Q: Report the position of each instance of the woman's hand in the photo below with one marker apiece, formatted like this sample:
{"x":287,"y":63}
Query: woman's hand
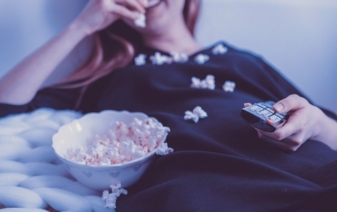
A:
{"x":305,"y":122}
{"x":98,"y":14}
{"x":20,"y":84}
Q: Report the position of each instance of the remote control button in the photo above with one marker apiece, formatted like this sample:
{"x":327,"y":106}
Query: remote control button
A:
{"x":255,"y":108}
{"x":265,"y":113}
{"x":274,"y":118}
{"x":281,"y":116}
{"x":261,"y":105}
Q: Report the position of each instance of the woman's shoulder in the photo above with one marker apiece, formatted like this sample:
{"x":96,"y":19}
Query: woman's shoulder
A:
{"x":220,"y":45}
{"x":221,"y":49}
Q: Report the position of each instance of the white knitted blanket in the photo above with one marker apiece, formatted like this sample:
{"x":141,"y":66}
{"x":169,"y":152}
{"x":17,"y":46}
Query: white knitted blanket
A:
{"x":32,"y":179}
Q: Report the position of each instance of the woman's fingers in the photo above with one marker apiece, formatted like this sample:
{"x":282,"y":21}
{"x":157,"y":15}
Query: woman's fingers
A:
{"x":247,"y":104}
{"x":295,"y":124}
{"x":134,"y":5}
{"x":99,"y":14}
{"x":291,"y":103}
{"x":302,"y":124}
{"x":122,"y":11}
{"x":292,"y":134}
{"x":287,"y":144}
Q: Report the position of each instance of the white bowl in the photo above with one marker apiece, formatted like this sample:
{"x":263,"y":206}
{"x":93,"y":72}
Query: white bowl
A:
{"x":78,"y":132}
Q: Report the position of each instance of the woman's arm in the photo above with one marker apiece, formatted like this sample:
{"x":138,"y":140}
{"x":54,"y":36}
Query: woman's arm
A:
{"x":306,"y":121}
{"x":21,"y":84}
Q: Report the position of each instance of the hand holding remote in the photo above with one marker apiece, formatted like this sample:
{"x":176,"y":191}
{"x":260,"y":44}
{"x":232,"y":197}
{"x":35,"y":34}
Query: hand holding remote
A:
{"x":301,"y":121}
{"x":263,"y":117}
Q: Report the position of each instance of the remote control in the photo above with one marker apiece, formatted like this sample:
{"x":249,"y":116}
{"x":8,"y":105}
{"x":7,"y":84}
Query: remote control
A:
{"x":262,"y":116}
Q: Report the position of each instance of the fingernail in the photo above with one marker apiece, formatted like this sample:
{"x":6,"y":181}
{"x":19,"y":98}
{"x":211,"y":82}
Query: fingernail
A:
{"x":247,"y":104}
{"x":278,"y":107}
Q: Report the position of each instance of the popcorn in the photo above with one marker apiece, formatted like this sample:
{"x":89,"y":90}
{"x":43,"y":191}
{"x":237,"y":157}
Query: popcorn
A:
{"x":207,"y":83}
{"x":118,"y":190}
{"x":179,"y":57}
{"x":219,"y":49}
{"x":195,"y":115}
{"x":201,"y":58}
{"x":141,"y":21}
{"x":140,"y":60}
{"x":110,"y":202}
{"x":111,"y":198}
{"x":229,"y":86}
{"x":122,"y":143}
{"x":163,"y":149}
{"x":199,"y":112}
{"x":191,"y":116}
{"x":105,"y":194}
{"x":159,"y":59}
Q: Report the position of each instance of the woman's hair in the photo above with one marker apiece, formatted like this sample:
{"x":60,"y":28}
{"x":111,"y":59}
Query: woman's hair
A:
{"x":115,"y":47}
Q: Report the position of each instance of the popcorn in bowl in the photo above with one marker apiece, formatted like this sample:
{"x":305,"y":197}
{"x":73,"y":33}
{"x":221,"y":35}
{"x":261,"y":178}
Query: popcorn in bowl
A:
{"x":121,"y":144}
{"x":110,"y":147}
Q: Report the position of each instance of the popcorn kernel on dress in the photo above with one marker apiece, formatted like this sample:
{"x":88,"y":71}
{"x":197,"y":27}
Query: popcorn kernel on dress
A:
{"x":140,"y":59}
{"x":159,"y":59}
{"x":111,"y":198}
{"x":207,"y":83}
{"x":219,"y":49}
{"x":179,"y":57}
{"x":200,"y":112}
{"x":201,"y":58}
{"x":229,"y":86}
{"x":195,"y":115}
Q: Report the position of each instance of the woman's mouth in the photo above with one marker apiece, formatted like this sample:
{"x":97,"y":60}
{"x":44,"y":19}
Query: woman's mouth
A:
{"x":153,"y":3}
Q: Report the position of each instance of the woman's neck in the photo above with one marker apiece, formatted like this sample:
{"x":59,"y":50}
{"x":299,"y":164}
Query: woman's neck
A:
{"x":175,"y":39}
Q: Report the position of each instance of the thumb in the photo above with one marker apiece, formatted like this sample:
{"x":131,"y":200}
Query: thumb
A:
{"x":290,"y":103}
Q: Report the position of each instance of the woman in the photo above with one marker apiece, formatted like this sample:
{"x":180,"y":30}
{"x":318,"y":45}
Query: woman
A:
{"x":219,"y":164}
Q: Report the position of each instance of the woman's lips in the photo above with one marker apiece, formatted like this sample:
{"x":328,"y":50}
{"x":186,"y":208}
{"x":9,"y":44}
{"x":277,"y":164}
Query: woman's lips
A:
{"x":153,"y":3}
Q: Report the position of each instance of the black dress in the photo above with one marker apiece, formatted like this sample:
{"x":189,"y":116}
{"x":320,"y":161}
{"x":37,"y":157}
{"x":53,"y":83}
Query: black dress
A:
{"x":219,"y":163}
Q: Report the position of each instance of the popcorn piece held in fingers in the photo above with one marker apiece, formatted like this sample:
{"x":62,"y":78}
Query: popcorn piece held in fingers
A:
{"x":141,"y":21}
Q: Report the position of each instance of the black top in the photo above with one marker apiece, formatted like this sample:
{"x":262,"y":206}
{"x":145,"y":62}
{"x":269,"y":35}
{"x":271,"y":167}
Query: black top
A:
{"x":219,"y":163}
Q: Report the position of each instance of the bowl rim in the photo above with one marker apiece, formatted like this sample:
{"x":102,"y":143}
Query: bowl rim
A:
{"x":118,"y":165}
